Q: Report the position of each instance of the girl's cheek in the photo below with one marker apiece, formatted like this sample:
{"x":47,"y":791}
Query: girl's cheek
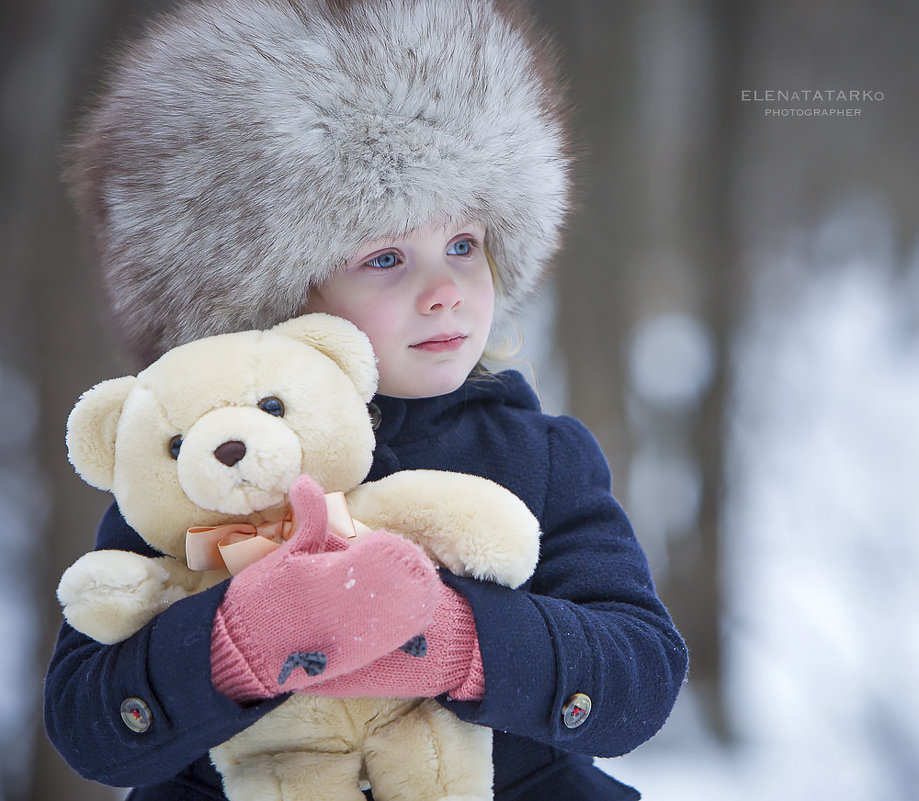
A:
{"x":341,"y":298}
{"x":483,"y":295}
{"x":374,"y":316}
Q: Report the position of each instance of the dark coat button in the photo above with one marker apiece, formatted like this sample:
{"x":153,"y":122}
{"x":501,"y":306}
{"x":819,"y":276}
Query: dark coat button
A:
{"x":136,"y":715}
{"x":376,"y":416}
{"x":576,"y":710}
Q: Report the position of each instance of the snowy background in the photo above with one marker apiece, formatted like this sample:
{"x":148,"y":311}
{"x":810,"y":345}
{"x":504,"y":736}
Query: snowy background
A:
{"x":821,"y":534}
{"x":807,"y":229}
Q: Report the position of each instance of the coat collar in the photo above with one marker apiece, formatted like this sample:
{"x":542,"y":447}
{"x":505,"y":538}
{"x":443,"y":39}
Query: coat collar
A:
{"x":404,"y":419}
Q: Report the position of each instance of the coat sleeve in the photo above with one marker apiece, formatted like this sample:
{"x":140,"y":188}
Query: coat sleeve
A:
{"x":166,"y":665}
{"x":590,"y":621}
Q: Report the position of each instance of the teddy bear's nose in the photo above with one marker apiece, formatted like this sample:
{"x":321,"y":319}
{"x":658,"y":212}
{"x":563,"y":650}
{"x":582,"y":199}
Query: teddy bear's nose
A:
{"x":230,"y":452}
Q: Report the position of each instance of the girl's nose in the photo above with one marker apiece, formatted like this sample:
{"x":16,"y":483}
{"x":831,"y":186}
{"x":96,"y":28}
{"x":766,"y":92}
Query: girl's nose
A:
{"x":441,"y":292}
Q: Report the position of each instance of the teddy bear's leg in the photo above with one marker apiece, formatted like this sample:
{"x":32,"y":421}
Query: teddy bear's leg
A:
{"x":294,"y":776}
{"x":429,"y":754}
{"x":303,"y":750}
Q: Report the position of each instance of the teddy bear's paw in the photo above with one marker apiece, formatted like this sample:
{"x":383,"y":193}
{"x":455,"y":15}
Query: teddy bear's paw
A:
{"x":110,"y":595}
{"x":502,"y":538}
{"x":472,"y":526}
{"x":485,"y":531}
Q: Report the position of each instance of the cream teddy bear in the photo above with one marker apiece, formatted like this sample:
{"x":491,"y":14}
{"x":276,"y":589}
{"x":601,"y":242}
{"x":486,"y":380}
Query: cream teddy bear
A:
{"x":289,"y":402}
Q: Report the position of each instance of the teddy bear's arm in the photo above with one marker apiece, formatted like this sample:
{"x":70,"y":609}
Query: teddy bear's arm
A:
{"x":110,"y":595}
{"x":471,"y":525}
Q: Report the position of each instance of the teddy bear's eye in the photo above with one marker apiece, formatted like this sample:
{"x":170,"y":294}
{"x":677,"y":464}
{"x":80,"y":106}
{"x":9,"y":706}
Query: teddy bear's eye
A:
{"x":175,"y":445}
{"x":272,"y":405}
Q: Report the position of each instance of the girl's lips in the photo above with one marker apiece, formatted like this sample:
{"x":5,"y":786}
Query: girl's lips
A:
{"x":440,"y":344}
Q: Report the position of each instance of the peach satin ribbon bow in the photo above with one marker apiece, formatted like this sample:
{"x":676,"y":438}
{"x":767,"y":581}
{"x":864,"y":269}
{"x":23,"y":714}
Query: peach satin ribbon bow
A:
{"x":234,"y":546}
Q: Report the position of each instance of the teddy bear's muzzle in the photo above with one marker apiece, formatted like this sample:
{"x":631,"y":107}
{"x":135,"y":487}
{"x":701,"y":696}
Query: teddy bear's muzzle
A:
{"x":238,"y":460}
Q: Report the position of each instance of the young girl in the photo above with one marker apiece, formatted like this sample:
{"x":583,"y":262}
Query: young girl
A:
{"x":402,"y":164}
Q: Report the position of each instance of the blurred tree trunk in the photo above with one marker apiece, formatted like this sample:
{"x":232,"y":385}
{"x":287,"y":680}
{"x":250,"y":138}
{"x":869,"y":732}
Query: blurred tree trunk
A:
{"x":597,"y":51}
{"x":649,"y":237}
{"x":695,"y":582}
{"x":51,"y":325}
{"x":45,"y":301}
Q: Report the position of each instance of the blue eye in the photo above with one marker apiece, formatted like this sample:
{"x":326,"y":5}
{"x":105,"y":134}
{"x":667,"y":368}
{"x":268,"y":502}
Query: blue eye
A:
{"x":461,"y":248}
{"x":272,"y":406}
{"x":175,"y":445}
{"x":384,"y":261}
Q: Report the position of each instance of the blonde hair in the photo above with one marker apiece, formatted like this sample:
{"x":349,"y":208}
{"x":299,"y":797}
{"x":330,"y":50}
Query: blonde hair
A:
{"x":506,"y":343}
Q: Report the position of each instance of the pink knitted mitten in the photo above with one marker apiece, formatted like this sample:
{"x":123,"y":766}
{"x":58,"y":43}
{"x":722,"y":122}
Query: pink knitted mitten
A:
{"x":298,"y":615}
{"x":446,"y":659}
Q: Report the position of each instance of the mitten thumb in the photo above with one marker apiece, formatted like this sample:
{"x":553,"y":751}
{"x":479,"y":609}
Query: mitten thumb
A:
{"x":307,"y":501}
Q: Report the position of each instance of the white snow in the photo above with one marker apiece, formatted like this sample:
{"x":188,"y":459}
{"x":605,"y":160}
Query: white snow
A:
{"x":821,"y":538}
{"x":671,"y":360}
{"x":23,"y":512}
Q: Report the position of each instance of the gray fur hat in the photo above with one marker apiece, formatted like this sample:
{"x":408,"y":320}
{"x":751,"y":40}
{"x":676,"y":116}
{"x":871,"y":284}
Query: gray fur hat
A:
{"x":243,"y":150}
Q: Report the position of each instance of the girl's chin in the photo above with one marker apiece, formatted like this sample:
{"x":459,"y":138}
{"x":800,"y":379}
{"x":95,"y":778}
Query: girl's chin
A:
{"x":425,"y":377}
{"x":422,"y":389}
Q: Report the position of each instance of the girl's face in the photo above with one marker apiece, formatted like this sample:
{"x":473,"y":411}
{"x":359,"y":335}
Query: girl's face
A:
{"x":425,"y":301}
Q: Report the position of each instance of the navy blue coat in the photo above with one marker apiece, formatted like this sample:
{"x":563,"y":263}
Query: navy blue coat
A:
{"x":589,"y":621}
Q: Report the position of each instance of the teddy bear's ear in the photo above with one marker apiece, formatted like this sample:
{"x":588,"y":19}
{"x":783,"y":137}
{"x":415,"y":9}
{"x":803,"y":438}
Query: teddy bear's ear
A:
{"x":342,"y":342}
{"x":91,"y":429}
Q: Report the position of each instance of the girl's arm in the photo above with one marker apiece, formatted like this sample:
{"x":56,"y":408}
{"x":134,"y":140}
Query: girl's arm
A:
{"x":590,"y":623}
{"x":166,"y":665}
